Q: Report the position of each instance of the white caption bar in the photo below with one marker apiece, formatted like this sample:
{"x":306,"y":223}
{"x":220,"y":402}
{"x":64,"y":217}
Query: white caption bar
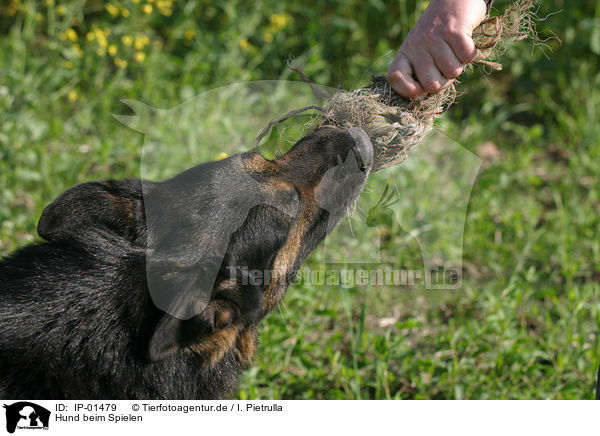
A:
{"x":317,"y":417}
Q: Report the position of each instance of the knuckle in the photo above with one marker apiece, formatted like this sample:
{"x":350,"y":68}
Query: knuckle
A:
{"x":395,"y":76}
{"x":410,"y":93}
{"x":469,"y":56}
{"x":452,"y":33}
{"x":431,"y":85}
{"x":453,"y":73}
{"x":448,"y":67}
{"x":457,"y":72}
{"x":464,"y":48}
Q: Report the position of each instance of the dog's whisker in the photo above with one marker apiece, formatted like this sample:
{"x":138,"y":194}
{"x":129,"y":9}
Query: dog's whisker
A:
{"x":350,"y":225}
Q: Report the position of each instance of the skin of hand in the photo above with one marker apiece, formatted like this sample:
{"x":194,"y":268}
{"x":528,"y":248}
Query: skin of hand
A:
{"x":437,"y":48}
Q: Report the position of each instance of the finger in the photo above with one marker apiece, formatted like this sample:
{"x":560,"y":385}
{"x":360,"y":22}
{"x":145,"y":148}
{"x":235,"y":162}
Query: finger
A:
{"x":447,"y":85}
{"x":445,"y":59}
{"x":428,"y":75}
{"x":400,"y":78}
{"x":462,"y":45}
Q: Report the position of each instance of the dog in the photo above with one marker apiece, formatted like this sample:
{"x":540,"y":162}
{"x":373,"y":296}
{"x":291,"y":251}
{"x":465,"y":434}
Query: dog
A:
{"x":148,"y":290}
{"x":598,"y":384}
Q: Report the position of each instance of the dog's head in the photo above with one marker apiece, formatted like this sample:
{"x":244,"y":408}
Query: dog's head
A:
{"x":223,"y":239}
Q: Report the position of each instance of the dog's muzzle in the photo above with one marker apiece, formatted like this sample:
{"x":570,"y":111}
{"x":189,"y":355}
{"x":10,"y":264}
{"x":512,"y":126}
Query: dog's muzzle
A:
{"x":363,"y":149}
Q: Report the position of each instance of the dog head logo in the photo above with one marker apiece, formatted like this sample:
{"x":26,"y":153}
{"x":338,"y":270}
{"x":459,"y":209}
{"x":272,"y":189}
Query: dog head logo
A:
{"x":26,"y":415}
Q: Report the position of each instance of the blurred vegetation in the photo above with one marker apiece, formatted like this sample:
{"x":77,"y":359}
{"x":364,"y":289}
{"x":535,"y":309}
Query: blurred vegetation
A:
{"x":524,"y":324}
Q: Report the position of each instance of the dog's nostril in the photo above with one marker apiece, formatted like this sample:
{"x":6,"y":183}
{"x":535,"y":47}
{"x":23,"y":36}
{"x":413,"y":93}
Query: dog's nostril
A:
{"x":363,"y":166}
{"x":363,"y":149}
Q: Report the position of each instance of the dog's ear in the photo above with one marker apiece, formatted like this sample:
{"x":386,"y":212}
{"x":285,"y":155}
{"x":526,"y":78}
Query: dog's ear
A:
{"x":212,"y":332}
{"x":114,"y":207}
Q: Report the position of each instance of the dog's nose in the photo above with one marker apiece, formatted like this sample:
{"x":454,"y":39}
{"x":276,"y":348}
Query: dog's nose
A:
{"x":363,"y":149}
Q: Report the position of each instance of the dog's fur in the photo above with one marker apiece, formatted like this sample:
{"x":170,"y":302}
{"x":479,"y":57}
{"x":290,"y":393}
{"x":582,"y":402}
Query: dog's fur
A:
{"x":76,"y":314}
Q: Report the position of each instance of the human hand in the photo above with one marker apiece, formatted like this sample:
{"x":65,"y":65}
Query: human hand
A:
{"x":437,"y":48}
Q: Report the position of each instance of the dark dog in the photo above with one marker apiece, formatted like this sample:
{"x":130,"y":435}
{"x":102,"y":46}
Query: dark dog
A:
{"x":147,"y":290}
{"x":598,"y":385}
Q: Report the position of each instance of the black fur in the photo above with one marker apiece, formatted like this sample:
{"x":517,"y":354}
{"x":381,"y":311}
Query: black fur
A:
{"x":598,"y":385}
{"x":76,"y":315}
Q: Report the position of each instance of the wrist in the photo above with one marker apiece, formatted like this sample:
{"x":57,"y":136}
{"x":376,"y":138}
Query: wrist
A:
{"x":452,"y":3}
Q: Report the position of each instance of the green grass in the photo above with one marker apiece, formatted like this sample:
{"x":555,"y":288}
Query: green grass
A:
{"x":525,"y":322}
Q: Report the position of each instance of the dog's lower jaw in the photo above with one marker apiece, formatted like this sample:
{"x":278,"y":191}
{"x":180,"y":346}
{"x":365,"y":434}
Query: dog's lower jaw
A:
{"x":287,"y":258}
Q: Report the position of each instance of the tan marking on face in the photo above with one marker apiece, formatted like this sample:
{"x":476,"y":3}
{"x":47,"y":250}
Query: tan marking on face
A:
{"x":246,"y":345}
{"x":223,"y":317}
{"x":213,"y":347}
{"x":256,"y":163}
{"x":287,"y":255}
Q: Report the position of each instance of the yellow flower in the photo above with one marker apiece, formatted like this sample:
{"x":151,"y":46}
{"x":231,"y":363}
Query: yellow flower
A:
{"x":221,"y":156}
{"x":121,"y":63}
{"x":15,"y":5}
{"x":135,"y":1}
{"x":90,"y":36}
{"x":279,"y":21}
{"x":125,"y":13}
{"x":189,"y":33}
{"x":101,"y":37}
{"x":139,"y":56}
{"x":112,"y":9}
{"x":78,"y":50}
{"x":101,"y":51}
{"x":268,"y":37}
{"x":165,"y":7}
{"x":69,"y":64}
{"x":39,"y":17}
{"x":127,"y":40}
{"x":73,"y":95}
{"x":141,"y":42}
{"x":49,"y":2}
{"x":71,"y":34}
{"x":244,"y":44}
{"x":147,"y":8}
{"x":61,"y":9}
{"x":112,"y":50}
